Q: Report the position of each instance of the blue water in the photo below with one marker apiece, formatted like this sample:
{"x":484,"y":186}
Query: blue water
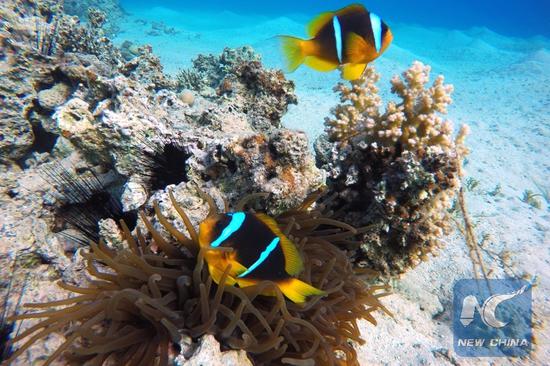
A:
{"x":521,"y":18}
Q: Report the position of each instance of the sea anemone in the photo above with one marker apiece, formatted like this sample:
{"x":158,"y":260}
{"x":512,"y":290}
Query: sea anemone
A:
{"x":157,"y":293}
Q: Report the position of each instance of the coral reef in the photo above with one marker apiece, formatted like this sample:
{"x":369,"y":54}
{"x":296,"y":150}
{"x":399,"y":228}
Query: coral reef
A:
{"x":157,"y":293}
{"x":89,"y":38}
{"x":237,"y":80}
{"x":396,"y":170}
{"x":112,"y":8}
{"x":71,"y":97}
{"x":85,"y":98}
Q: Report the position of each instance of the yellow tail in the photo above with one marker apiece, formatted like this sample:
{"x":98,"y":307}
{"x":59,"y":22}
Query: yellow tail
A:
{"x":297,"y":290}
{"x":293,"y":51}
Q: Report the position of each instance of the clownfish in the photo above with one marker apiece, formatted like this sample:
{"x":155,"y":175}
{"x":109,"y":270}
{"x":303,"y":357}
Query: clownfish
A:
{"x":350,"y":37}
{"x":258,"y":251}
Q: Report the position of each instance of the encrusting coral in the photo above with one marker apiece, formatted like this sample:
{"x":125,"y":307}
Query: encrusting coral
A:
{"x":157,"y":294}
{"x":395,"y":169}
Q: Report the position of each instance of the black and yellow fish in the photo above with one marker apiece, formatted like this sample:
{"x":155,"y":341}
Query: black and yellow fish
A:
{"x":350,"y":37}
{"x":260,"y":251}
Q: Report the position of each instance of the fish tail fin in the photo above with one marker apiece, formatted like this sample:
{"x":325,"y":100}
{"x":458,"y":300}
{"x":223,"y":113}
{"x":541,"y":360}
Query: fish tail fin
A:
{"x":297,"y":290}
{"x":293,"y":51}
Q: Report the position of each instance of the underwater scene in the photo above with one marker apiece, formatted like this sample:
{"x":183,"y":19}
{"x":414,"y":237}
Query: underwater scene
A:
{"x":274,"y":183}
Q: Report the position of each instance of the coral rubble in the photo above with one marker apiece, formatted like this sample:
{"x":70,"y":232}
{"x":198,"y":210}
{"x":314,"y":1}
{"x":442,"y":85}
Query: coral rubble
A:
{"x":395,"y":169}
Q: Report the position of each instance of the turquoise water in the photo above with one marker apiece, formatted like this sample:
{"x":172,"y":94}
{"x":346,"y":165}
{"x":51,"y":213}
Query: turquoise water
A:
{"x":508,"y":17}
{"x":483,"y":49}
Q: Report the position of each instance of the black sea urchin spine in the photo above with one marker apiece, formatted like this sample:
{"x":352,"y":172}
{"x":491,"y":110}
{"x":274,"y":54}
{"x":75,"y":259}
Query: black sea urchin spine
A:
{"x":164,"y":163}
{"x":86,"y":201}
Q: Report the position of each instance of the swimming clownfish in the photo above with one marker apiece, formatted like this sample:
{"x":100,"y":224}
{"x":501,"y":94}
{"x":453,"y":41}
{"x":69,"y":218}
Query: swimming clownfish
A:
{"x":260,"y":251}
{"x":350,"y":37}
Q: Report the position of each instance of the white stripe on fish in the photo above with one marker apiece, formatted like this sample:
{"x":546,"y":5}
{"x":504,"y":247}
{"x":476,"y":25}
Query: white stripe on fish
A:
{"x":338,"y":37}
{"x":376,"y":25}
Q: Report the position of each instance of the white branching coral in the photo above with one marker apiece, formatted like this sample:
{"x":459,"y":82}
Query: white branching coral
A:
{"x":395,"y":168}
{"x":416,"y":123}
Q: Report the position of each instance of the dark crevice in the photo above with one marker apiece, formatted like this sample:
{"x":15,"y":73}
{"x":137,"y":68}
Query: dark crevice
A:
{"x":165,"y":164}
{"x":44,"y":142}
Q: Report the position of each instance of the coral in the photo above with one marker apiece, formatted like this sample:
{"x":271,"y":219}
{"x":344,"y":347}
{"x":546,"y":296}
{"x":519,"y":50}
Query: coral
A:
{"x":414,"y":123}
{"x":238,"y":80}
{"x":152,"y":295}
{"x":278,"y":163}
{"x":395,"y":170}
{"x":16,"y":136}
{"x":146,"y":68}
{"x":88,"y":39}
{"x":70,"y":96}
{"x":32,"y":49}
{"x":111,"y":9}
{"x":129,"y":50}
{"x":54,"y":96}
{"x":187,"y":97}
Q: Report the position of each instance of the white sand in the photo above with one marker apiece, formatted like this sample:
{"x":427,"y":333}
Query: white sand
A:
{"x":501,"y":90}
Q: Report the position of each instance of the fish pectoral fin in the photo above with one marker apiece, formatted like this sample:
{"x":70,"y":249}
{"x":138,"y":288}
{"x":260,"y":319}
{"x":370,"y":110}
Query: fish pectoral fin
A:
{"x":357,"y":48}
{"x":297,"y":290}
{"x":293,"y":51}
{"x":318,"y":23}
{"x":217,"y":274}
{"x":237,"y":268}
{"x":246,"y":282}
{"x":353,"y":71}
{"x":320,"y":65}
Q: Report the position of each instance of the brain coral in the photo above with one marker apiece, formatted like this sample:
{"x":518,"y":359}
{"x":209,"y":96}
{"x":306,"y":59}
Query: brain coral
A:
{"x":395,"y":169}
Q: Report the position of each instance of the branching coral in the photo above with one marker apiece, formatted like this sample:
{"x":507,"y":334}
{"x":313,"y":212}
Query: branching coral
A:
{"x":395,"y":169}
{"x":157,"y":292}
{"x":414,"y":123}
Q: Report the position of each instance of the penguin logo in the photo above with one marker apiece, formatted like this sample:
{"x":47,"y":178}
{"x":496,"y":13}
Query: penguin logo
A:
{"x":487,"y":311}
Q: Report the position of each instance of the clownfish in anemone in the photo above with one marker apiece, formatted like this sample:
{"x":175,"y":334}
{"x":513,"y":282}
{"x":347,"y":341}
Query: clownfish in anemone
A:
{"x":257,"y":250}
{"x":350,"y":38}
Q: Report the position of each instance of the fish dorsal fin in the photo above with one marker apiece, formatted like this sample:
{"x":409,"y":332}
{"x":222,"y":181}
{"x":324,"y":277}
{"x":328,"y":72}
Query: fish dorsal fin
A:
{"x":353,"y":71}
{"x":319,"y":22}
{"x":353,"y":8}
{"x":320,"y":65}
{"x":293,"y":261}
